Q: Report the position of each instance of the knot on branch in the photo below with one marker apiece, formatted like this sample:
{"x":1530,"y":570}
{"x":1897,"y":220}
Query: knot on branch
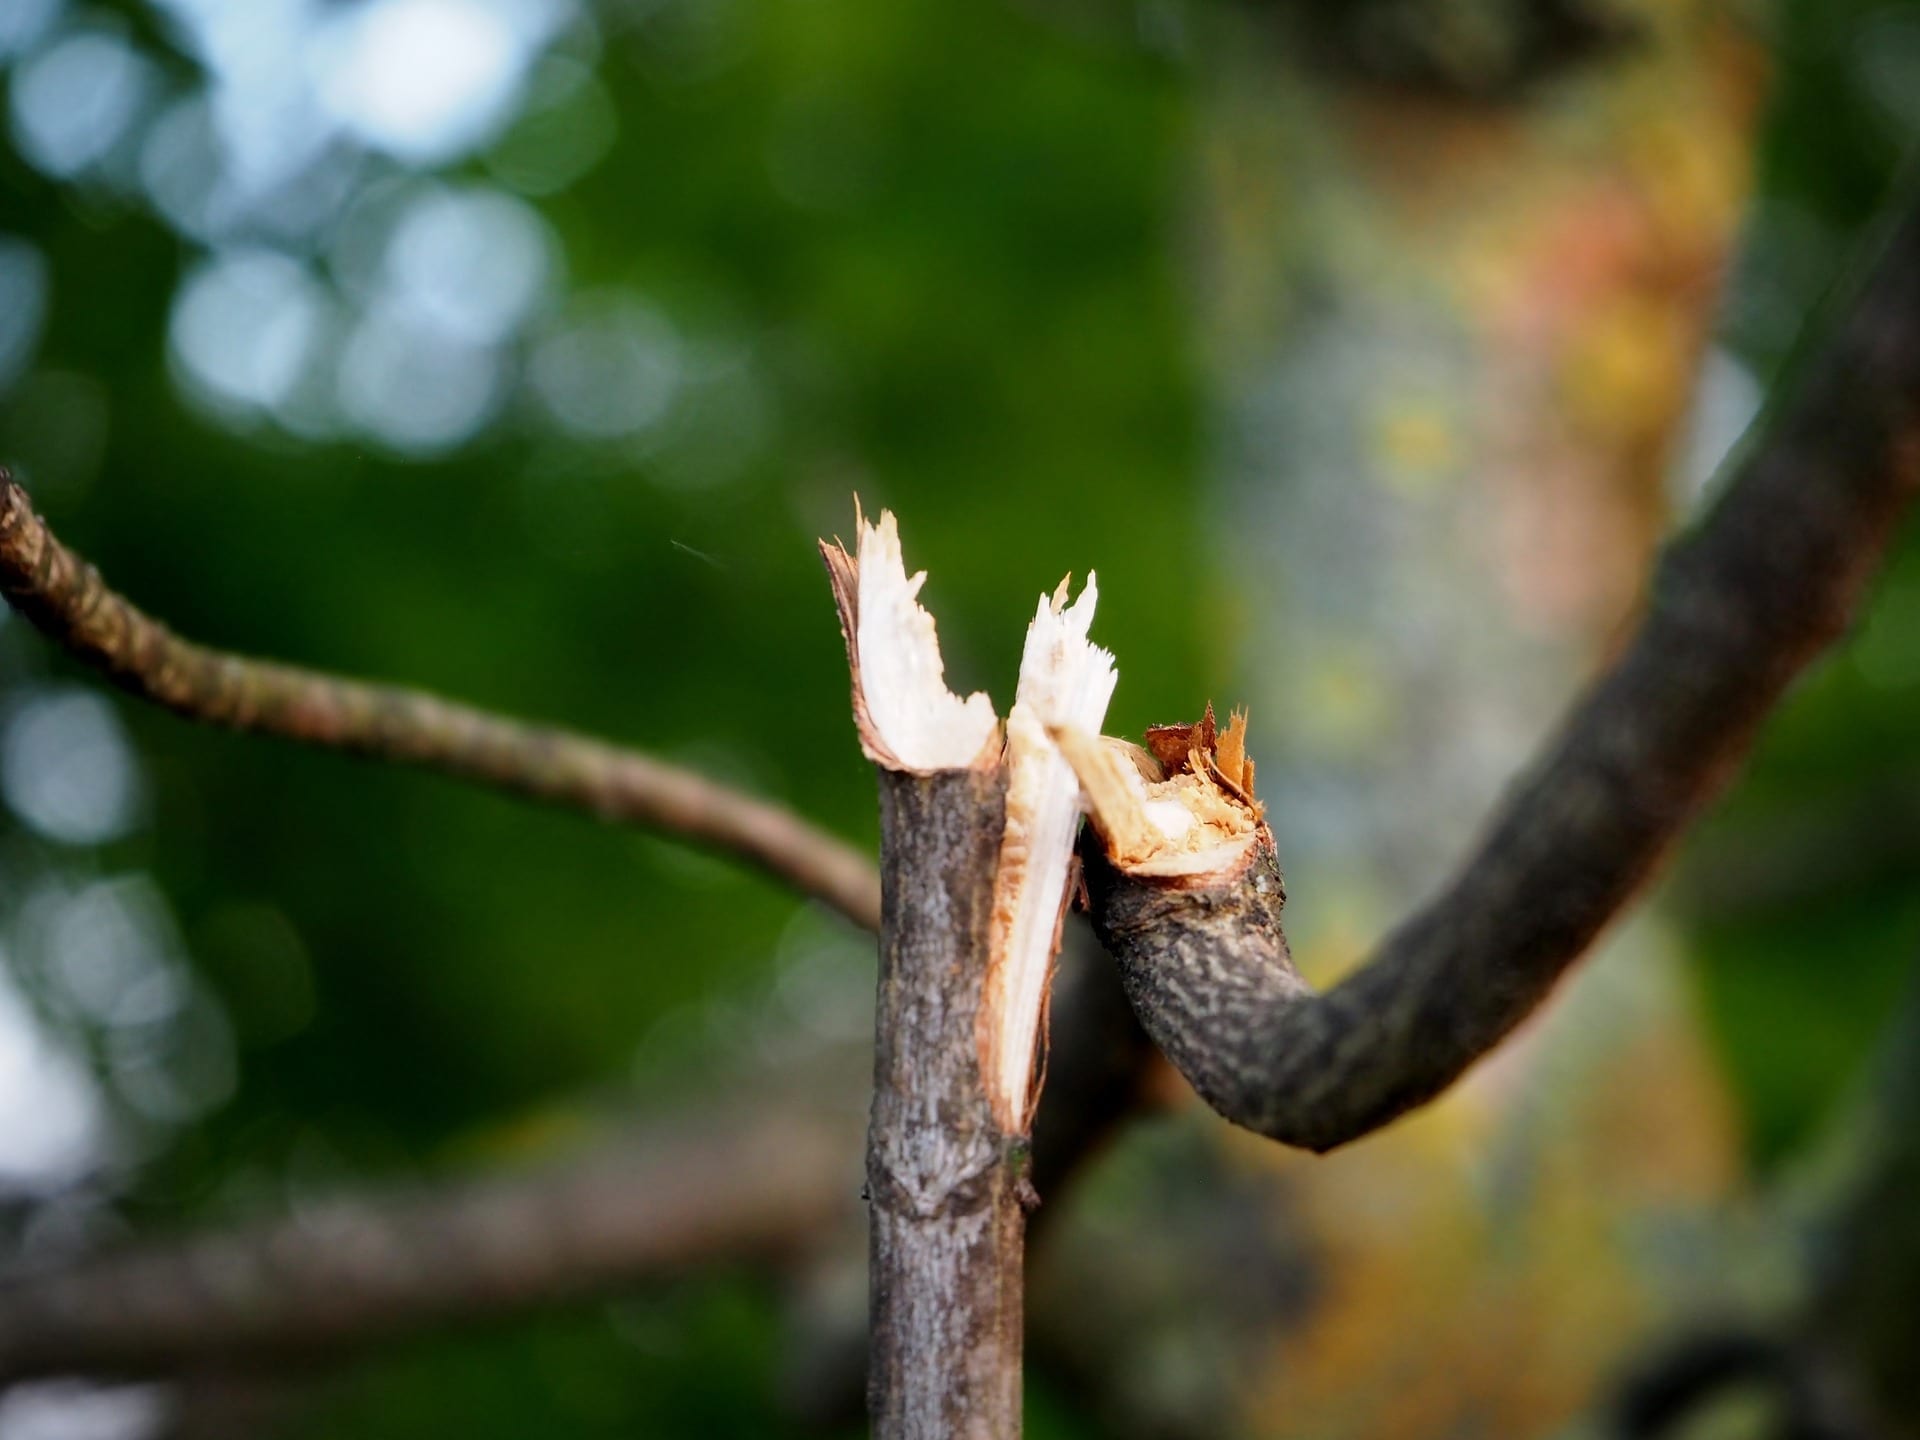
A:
{"x":965,"y":1178}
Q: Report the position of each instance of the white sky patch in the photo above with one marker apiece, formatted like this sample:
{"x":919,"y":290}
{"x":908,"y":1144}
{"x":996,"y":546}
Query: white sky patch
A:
{"x":1065,"y":679}
{"x":81,"y":1410}
{"x":24,"y":283}
{"x":51,"y":1127}
{"x":268,"y":122}
{"x":427,"y":80}
{"x":1726,"y":400}
{"x":23,"y":23}
{"x":67,"y":770}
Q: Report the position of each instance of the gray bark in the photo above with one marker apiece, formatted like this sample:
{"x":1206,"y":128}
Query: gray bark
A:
{"x":944,"y":1184}
{"x":1740,"y":607}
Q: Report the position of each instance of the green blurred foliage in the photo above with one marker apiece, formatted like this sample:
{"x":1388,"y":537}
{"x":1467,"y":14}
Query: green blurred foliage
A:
{"x":1803,"y":888}
{"x":971,"y":312}
{"x":949,"y":239}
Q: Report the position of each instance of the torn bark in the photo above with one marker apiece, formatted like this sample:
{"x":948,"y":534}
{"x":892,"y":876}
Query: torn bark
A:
{"x":1769,"y":579}
{"x":945,"y":1273}
{"x":975,"y":855}
{"x":66,"y":599}
{"x":1064,"y":679}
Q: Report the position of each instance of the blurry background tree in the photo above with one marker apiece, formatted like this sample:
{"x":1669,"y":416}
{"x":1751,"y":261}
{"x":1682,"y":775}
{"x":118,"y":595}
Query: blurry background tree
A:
{"x":521,"y":348}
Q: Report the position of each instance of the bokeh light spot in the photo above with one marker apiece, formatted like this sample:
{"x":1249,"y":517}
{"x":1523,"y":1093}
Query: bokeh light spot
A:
{"x":67,"y":770}
{"x":244,"y":328}
{"x":413,"y":386}
{"x":472,"y":263}
{"x":72,"y":101}
{"x":50,"y":1120}
{"x":427,"y":80}
{"x":612,"y":370}
{"x":23,"y":23}
{"x":24,"y":282}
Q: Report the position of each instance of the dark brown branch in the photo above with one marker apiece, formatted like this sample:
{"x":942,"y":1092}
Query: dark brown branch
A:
{"x":1767,"y":581}
{"x":68,"y":601}
{"x":948,"y":1226}
{"x":672,"y":1197}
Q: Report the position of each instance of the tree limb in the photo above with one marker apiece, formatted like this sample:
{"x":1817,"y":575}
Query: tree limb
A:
{"x":67,"y":600}
{"x":669,"y":1198}
{"x":1767,"y":581}
{"x":948,"y":1226}
{"x":728,"y":1180}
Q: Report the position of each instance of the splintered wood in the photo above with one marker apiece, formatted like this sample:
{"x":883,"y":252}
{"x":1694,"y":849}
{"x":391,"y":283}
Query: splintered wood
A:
{"x":906,"y":717}
{"x":1181,"y":806}
{"x":1065,"y":680}
{"x":1184,"y":805}
{"x":977,"y":834}
{"x":910,"y":722}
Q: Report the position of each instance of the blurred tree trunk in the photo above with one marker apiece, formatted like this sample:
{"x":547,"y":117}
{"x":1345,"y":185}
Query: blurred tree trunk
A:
{"x":1453,"y":298}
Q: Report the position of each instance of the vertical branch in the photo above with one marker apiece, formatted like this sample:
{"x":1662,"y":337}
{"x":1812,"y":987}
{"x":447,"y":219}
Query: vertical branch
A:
{"x":976,"y":843}
{"x":943,"y":1177}
{"x":948,"y":1227}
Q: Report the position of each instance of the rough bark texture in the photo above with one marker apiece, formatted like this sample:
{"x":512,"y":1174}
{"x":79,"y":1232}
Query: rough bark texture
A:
{"x":68,"y":601}
{"x":710,"y":1185}
{"x":1097,"y":1062}
{"x":1740,"y":606}
{"x":943,"y":1182}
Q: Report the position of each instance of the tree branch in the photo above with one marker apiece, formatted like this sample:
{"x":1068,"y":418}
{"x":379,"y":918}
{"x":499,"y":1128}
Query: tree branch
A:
{"x":948,"y":1227}
{"x":1772,"y":576}
{"x":67,"y":600}
{"x":673,"y":1196}
{"x":727,"y":1180}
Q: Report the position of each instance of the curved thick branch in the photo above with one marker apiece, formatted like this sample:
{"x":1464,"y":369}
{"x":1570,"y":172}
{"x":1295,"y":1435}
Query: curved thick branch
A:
{"x":663,"y":1200}
{"x":68,"y":601}
{"x":1768,"y":580}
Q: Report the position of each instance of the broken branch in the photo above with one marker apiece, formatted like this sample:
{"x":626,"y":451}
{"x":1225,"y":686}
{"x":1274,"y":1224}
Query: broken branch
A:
{"x":1770,"y":578}
{"x":947,"y":1226}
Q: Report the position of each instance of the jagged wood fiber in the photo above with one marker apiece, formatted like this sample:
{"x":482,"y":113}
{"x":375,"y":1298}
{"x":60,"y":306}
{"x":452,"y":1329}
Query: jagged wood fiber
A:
{"x":1771,"y":577}
{"x":944,"y":1184}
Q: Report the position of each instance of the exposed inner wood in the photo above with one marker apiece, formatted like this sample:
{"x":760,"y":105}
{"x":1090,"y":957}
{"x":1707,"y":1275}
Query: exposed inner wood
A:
{"x":1065,"y":679}
{"x":945,"y":1173}
{"x":907,"y":718}
{"x":1183,"y":806}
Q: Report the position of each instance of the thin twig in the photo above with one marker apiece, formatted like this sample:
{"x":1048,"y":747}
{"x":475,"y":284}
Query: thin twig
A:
{"x":1771,"y":578}
{"x":68,"y":601}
